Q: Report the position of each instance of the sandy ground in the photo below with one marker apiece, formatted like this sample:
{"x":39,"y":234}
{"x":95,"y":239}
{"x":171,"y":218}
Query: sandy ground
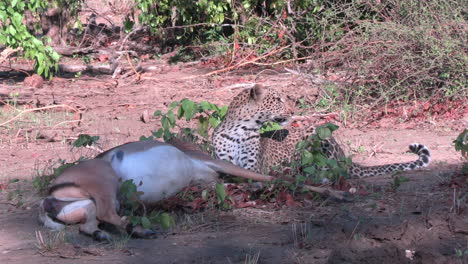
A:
{"x":423,"y":221}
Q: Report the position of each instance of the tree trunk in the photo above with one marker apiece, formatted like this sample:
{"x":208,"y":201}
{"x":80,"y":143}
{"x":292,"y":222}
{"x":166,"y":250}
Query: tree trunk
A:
{"x":53,"y":22}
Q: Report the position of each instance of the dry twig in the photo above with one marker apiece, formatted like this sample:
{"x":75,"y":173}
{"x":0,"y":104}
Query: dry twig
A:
{"x":138,"y":75}
{"x":281,"y":62}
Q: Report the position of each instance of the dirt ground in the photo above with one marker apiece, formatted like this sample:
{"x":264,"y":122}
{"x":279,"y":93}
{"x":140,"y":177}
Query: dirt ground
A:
{"x":422,"y":221}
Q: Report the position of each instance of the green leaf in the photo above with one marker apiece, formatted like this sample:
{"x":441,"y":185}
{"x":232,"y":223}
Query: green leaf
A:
{"x":301,"y":144}
{"x":128,"y":25}
{"x":142,"y":138}
{"x":223,"y":111}
{"x":55,"y":56}
{"x":171,"y":118}
{"x":270,"y":126}
{"x":159,"y":133}
{"x":323,"y":132}
{"x":165,"y":123}
{"x":214,"y":122}
{"x":309,"y":170}
{"x":12,"y":30}
{"x":157,"y":113}
{"x":134,"y":220}
{"x":145,"y":222}
{"x":40,"y":69}
{"x":220,"y":192}
{"x":180,"y":113}
{"x":320,"y":160}
{"x":166,"y":220}
{"x":333,"y":163}
{"x":128,"y":189}
{"x":307,"y":157}
{"x":85,"y":140}
{"x":190,"y":109}
{"x":173,"y":105}
{"x":332,"y":126}
{"x":203,"y":126}
{"x":206,"y":106}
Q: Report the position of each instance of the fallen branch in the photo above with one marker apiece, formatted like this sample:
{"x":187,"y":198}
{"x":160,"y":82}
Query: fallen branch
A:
{"x":204,"y":24}
{"x":9,"y":203}
{"x":339,"y":195}
{"x":336,"y":194}
{"x":18,"y":70}
{"x":103,"y":69}
{"x":69,"y":51}
{"x":38,"y":109}
{"x":106,"y":69}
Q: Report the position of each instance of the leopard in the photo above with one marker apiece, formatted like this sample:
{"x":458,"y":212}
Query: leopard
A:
{"x":238,"y":139}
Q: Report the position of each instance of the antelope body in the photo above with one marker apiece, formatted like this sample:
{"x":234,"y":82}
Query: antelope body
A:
{"x":87,"y":193}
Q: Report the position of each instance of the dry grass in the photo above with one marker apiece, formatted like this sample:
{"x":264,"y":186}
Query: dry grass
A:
{"x":50,"y":242}
{"x":24,"y":121}
{"x":399,"y":50}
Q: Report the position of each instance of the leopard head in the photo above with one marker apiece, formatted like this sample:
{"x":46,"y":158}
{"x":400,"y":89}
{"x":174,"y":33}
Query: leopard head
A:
{"x":257,"y":105}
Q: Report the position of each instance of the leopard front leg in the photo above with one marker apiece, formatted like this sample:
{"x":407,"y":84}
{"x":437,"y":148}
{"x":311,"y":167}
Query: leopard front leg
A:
{"x":249,"y":156}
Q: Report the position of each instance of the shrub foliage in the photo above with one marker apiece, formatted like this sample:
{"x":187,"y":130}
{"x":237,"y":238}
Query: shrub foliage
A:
{"x":386,"y":50}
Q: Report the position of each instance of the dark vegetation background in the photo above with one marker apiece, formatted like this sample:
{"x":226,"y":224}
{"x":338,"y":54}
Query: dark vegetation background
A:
{"x":377,"y":51}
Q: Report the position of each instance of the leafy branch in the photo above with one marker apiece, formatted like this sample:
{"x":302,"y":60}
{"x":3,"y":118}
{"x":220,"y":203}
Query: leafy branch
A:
{"x":14,"y":34}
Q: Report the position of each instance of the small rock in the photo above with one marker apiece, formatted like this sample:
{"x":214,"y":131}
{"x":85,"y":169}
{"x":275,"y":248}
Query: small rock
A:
{"x":145,"y":116}
{"x":409,"y":254}
{"x":34,"y":81}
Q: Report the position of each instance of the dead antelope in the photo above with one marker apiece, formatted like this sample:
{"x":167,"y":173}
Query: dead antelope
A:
{"x":87,"y":192}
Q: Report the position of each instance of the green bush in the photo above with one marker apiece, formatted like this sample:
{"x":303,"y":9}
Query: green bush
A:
{"x":208,"y":116}
{"x":14,"y":34}
{"x":312,"y":164}
{"x":461,"y":143}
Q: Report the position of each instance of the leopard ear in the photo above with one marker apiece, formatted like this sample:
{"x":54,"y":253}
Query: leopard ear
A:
{"x":257,"y":92}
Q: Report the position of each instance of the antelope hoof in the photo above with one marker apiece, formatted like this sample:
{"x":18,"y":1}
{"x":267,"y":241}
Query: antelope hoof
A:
{"x":140,"y":232}
{"x":343,"y":197}
{"x":101,"y":236}
{"x":146,"y":233}
{"x":149,"y":234}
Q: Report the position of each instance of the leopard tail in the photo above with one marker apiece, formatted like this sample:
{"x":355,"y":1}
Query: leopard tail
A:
{"x":360,"y":171}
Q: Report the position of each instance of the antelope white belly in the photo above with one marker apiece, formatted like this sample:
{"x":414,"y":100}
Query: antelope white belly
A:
{"x":162,"y":171}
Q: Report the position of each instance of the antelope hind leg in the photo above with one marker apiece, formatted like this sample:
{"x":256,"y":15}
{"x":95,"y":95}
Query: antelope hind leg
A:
{"x":106,"y":211}
{"x":90,"y":226}
{"x":55,"y":214}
